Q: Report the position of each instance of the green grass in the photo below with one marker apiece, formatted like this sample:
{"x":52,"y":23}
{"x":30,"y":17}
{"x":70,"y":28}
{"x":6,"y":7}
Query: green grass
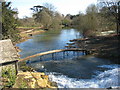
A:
{"x":23,"y":85}
{"x":10,"y":74}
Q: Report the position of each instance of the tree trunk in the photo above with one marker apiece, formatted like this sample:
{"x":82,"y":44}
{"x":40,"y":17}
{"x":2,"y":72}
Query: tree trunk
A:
{"x":118,"y":17}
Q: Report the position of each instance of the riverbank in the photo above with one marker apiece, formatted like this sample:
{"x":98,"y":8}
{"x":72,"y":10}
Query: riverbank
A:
{"x":27,"y":32}
{"x":101,"y":46}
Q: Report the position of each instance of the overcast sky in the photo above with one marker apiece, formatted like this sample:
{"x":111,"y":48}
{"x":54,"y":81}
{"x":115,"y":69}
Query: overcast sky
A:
{"x":63,"y":6}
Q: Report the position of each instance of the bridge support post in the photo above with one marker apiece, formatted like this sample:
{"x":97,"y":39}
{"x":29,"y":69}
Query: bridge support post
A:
{"x":67,"y":53}
{"x":40,"y":58}
{"x":87,"y":52}
{"x":77,"y":53}
{"x":74,"y":53}
{"x":53,"y":56}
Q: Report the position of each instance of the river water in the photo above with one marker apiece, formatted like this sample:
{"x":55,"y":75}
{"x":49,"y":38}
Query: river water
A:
{"x":74,"y":70}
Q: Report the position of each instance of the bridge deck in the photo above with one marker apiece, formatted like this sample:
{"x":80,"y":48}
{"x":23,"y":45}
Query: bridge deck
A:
{"x":50,"y":52}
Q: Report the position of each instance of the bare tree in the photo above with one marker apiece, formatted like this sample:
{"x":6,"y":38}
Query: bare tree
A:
{"x":113,"y":7}
{"x":49,"y":6}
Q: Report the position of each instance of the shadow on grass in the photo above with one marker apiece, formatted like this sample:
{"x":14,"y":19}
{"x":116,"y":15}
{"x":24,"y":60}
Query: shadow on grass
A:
{"x":107,"y":47}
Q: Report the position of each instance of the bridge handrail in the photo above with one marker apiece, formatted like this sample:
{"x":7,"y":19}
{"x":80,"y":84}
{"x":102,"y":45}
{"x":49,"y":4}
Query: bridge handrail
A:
{"x":11,"y":62}
{"x":52,"y":51}
{"x":7,"y":63}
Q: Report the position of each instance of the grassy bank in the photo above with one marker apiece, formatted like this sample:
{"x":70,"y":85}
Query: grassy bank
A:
{"x":8,"y":77}
{"x":102,"y":46}
{"x":26,"y":32}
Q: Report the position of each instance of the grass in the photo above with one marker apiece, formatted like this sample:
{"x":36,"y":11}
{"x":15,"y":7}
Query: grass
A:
{"x":10,"y":74}
{"x":23,"y":85}
{"x":106,"y":47}
{"x":23,"y":67}
{"x":23,"y":34}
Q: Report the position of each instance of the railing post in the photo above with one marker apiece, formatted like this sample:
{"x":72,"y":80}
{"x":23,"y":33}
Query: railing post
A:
{"x":83,"y":52}
{"x":87,"y":52}
{"x":16,"y":67}
{"x":53,"y":56}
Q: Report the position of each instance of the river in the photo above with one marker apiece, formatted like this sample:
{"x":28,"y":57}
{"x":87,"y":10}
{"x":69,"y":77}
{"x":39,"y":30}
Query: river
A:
{"x":73,"y":71}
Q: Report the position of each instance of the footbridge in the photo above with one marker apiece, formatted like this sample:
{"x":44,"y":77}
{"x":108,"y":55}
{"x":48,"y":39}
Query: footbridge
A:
{"x":56,"y":51}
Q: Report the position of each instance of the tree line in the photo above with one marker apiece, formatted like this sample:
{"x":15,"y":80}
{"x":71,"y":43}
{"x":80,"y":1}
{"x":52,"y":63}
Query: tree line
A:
{"x":96,"y":19}
{"x":44,"y":16}
{"x":102,"y":17}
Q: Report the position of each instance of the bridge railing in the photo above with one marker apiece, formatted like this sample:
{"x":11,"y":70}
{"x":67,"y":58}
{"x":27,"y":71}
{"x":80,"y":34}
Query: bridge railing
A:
{"x":55,"y":51}
{"x":15,"y":62}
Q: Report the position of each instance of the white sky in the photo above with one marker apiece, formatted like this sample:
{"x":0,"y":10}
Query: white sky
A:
{"x":63,"y":6}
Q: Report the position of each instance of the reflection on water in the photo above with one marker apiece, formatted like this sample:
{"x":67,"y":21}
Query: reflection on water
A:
{"x":49,"y":40}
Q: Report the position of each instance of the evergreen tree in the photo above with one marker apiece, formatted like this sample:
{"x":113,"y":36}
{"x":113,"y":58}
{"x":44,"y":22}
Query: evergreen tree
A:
{"x":9,"y":23}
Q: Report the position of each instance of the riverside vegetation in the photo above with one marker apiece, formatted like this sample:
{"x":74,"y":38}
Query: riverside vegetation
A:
{"x":8,"y":74}
{"x":45,"y":17}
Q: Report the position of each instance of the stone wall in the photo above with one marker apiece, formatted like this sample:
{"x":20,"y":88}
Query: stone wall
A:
{"x":7,"y":53}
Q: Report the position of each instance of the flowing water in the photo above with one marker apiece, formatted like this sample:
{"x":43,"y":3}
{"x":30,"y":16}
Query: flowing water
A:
{"x":74,"y":70}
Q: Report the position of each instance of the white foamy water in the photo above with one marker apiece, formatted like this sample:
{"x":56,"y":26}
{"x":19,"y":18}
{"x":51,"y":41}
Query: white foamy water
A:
{"x":104,"y":79}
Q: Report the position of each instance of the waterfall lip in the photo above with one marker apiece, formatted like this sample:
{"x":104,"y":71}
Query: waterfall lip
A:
{"x":110,"y":66}
{"x":106,"y":79}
